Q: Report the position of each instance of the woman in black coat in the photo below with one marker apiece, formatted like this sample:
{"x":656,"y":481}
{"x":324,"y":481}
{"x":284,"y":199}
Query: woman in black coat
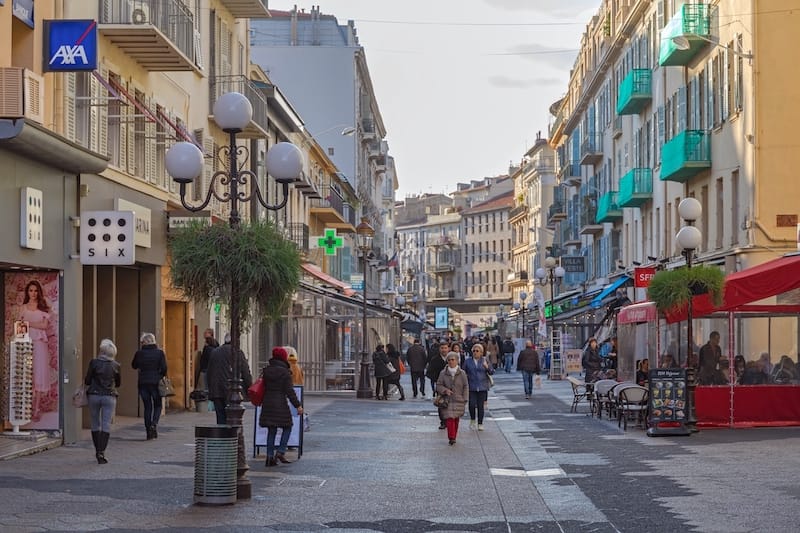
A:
{"x":394,"y":377}
{"x":151,"y":362}
{"x":380,"y":362}
{"x":275,"y":411}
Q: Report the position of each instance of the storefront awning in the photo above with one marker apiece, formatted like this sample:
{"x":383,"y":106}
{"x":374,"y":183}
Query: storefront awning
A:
{"x":609,"y":289}
{"x":327,"y":279}
{"x":747,"y":286}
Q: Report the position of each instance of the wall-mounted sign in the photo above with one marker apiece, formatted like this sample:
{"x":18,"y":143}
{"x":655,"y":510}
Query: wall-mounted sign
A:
{"x":107,"y":238}
{"x":180,"y":219}
{"x":23,"y":10}
{"x":70,"y":45}
{"x":330,"y":241}
{"x":573,"y":263}
{"x":141,"y":221}
{"x":642,"y":276}
{"x":30,"y":218}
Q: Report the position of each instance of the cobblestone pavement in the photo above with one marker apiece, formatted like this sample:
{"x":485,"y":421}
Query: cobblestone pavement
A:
{"x":385,"y":466}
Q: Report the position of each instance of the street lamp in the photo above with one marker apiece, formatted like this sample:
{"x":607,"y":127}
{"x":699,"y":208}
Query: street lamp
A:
{"x":681,"y":42}
{"x":689,"y":239}
{"x":550,"y":274}
{"x":520,"y":306}
{"x":184,"y":162}
{"x":365,"y":234}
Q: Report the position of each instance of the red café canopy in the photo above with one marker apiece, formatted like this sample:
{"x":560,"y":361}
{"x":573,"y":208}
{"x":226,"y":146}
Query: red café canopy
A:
{"x":746,"y":286}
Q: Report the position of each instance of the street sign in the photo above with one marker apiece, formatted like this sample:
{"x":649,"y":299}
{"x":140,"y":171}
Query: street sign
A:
{"x":573,"y":263}
{"x":642,"y":276}
{"x":357,"y":282}
{"x":107,"y":238}
{"x":330,"y":241}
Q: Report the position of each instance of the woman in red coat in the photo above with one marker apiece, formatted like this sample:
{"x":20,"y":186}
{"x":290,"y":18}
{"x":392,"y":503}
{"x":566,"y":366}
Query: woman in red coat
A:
{"x":275,"y":411}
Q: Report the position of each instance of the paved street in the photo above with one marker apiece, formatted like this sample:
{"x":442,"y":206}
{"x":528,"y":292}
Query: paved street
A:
{"x":384,"y":466}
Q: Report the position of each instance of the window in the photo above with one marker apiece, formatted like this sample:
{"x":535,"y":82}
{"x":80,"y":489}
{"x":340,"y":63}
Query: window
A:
{"x":704,"y":221}
{"x":738,"y":80}
{"x":139,"y":141}
{"x":734,"y":207}
{"x":114,"y":134}
{"x":720,"y":218}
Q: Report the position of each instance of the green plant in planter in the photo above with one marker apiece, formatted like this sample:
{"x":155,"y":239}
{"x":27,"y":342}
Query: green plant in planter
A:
{"x":205,"y":259}
{"x":671,"y":289}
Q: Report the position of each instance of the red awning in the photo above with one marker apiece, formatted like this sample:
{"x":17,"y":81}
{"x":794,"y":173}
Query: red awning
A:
{"x":327,"y":279}
{"x":747,"y":286}
{"x":637,"y":313}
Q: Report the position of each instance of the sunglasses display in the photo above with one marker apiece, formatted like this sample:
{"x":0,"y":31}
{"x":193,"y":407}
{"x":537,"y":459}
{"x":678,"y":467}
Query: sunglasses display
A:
{"x":20,"y":392}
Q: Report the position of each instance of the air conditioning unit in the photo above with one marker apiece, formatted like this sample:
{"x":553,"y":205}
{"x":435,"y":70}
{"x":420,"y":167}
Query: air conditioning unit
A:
{"x":21,"y":94}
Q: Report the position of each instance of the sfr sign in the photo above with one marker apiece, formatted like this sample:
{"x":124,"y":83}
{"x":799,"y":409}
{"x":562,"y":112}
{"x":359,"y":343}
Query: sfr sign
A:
{"x":642,"y":276}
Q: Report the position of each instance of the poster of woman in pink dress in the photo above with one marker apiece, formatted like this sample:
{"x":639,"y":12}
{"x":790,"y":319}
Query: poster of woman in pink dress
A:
{"x":32,"y":297}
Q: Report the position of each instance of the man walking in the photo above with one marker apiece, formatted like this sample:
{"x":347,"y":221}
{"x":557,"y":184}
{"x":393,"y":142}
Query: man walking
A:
{"x":508,"y":353}
{"x":417,"y":360}
{"x":528,"y":364}
{"x":220,"y":374}
{"x":435,"y":366}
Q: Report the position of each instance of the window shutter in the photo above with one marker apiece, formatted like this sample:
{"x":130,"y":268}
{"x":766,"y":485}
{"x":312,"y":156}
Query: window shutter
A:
{"x":70,"y":103}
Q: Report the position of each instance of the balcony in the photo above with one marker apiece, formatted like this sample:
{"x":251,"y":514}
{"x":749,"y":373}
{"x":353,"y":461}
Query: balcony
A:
{"x":592,"y":149}
{"x":158,"y":34}
{"x":608,"y":210}
{"x":556,"y":213}
{"x":447,"y":294}
{"x":571,"y":237}
{"x":442,"y":267}
{"x":570,"y":174}
{"x":368,"y":132}
{"x":518,"y":278}
{"x":589,"y":224}
{"x":635,"y":92}
{"x":517,"y":211}
{"x":241,"y":84}
{"x":247,"y":9}
{"x":690,"y":22}
{"x":349,"y":213}
{"x":330,"y":209}
{"x":616,"y":133}
{"x":298,"y":233}
{"x":685,"y":155}
{"x":636,"y":187}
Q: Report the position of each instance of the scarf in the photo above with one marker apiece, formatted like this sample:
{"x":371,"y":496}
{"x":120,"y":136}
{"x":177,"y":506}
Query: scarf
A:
{"x":452,"y":370}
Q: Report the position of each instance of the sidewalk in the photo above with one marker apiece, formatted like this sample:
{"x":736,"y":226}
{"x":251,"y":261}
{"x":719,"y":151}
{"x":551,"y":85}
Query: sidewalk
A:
{"x":385,"y":466}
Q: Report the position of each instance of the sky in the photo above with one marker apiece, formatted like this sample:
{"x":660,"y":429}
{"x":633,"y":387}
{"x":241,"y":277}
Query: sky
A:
{"x":463,"y":86}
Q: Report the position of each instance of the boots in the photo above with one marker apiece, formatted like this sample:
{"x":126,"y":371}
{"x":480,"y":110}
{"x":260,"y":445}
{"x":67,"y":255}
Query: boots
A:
{"x":154,"y":428}
{"x":152,"y":432}
{"x":95,"y":434}
{"x":271,"y":461}
{"x":100,"y":446}
{"x":282,"y":458}
{"x":402,"y":393}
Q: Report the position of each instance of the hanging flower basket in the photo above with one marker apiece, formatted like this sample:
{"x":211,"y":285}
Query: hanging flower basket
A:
{"x":671,"y":289}
{"x":205,"y":259}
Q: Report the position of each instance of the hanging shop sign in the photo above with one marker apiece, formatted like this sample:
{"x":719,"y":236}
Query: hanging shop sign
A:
{"x":70,"y":45}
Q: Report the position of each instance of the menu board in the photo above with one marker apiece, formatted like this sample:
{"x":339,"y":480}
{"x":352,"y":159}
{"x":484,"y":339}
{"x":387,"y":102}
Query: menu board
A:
{"x":667,"y":401}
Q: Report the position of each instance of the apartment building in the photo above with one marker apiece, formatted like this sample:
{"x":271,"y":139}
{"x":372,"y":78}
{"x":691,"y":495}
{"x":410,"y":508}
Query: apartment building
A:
{"x":672,"y":99}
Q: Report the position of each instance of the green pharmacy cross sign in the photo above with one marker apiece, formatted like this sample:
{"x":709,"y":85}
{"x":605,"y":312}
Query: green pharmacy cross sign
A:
{"x":330,"y":242}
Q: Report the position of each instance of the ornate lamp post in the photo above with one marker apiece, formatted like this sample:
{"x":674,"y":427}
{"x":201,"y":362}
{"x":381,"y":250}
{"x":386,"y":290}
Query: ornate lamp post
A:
{"x":520,"y":306}
{"x":550,"y":274}
{"x":365,"y":234}
{"x":184,"y":162}
{"x":689,"y":238}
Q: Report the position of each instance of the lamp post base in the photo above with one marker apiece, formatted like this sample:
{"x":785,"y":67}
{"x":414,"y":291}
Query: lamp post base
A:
{"x":691,"y":385}
{"x":233,"y":415}
{"x":364,"y":382}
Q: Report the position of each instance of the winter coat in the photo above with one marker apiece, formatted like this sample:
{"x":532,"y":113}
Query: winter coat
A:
{"x":103,"y":377}
{"x":151,"y":362}
{"x":417,"y":358}
{"x":435,"y":366}
{"x":394,"y":358}
{"x":379,"y":361}
{"x":477,"y":375}
{"x":277,"y":389}
{"x":220,"y":372}
{"x":458,"y":386}
{"x":591,"y":360}
{"x":528,"y":360}
{"x":491,"y":352}
{"x":508,"y":347}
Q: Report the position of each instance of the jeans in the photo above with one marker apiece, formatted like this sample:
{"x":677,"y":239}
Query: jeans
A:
{"x":219,"y":408}
{"x":101,"y":409}
{"x":151,"y":399}
{"x":272,"y":432}
{"x":527,"y":381}
{"x":508,"y":359}
{"x":477,"y":399}
{"x":421,"y":377}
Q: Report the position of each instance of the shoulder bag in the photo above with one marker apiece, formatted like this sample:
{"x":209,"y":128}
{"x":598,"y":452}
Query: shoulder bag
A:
{"x":165,"y":387}
{"x":79,"y":397}
{"x":256,"y":391}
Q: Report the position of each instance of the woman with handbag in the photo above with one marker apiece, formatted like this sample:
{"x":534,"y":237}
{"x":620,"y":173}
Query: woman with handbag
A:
{"x":102,"y":380}
{"x":453,"y":387}
{"x":151,"y":362}
{"x":383,"y":369}
{"x":478,"y":371}
{"x":275,"y":411}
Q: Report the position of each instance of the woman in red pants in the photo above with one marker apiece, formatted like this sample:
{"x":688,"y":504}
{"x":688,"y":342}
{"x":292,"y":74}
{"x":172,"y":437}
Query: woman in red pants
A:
{"x":453,"y":385}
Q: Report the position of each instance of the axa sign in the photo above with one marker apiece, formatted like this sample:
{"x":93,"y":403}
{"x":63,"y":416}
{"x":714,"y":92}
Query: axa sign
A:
{"x":70,"y":45}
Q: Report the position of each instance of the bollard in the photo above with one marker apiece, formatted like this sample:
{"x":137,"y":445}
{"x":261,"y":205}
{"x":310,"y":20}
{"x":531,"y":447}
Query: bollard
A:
{"x":215,"y":464}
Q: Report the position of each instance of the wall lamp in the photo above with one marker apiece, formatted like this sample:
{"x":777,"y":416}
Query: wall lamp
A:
{"x":681,"y":42}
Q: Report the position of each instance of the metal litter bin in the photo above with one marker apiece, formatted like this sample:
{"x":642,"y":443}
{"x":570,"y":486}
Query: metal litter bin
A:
{"x":215,"y":458}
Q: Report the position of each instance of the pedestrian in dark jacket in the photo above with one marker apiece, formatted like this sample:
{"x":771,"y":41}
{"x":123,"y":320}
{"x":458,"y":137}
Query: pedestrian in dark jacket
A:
{"x":151,"y":362}
{"x":200,"y":381}
{"x":380,"y":362}
{"x":508,"y":350}
{"x":275,"y":413}
{"x":528,"y":364}
{"x":417,"y":360}
{"x":592,"y":361}
{"x":102,"y":380}
{"x":220,"y":374}
{"x":394,"y":377}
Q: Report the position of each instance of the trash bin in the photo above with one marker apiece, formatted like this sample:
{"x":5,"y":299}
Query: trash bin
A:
{"x":215,"y":457}
{"x":200,"y":399}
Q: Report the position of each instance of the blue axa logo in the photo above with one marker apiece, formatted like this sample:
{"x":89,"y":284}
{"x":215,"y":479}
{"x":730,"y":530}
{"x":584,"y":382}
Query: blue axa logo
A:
{"x":69,"y":55}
